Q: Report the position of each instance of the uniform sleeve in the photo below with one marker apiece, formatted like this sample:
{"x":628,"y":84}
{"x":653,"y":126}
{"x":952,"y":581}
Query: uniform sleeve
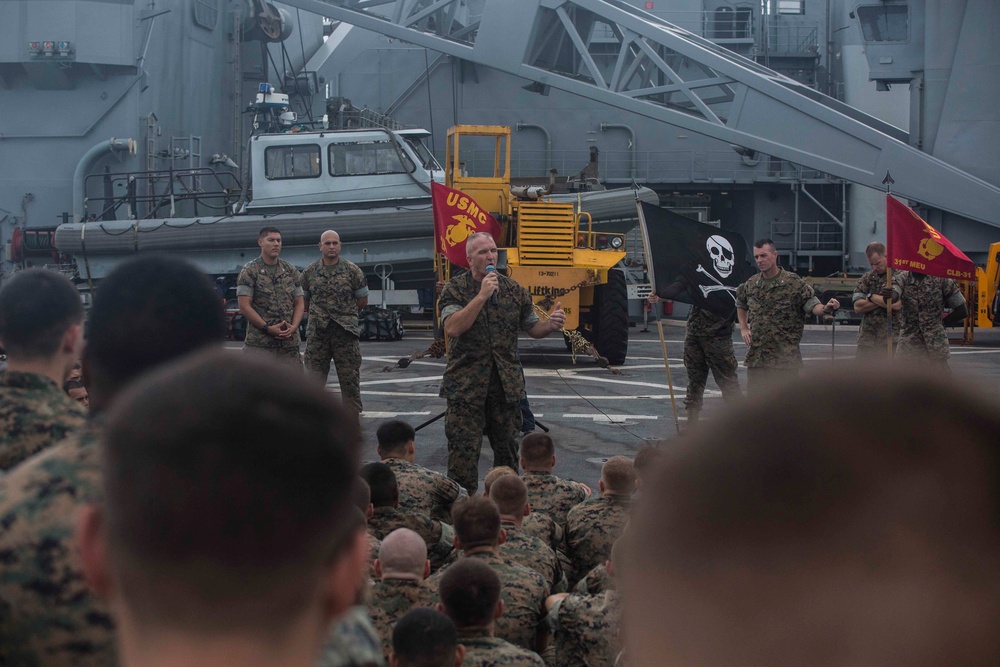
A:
{"x":951,"y":294}
{"x":360,"y":283}
{"x":553,"y":618}
{"x":742,"y":296}
{"x":449,"y":303}
{"x":860,"y":290}
{"x":297,"y":277}
{"x":306,"y":279}
{"x":246,"y":282}
{"x":809,"y":300}
{"x":565,"y":613}
{"x":529,"y":317}
{"x":438,"y":552}
{"x":446,"y":491}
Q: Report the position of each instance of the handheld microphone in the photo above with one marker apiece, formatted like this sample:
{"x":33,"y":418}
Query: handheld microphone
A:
{"x":493,"y":299}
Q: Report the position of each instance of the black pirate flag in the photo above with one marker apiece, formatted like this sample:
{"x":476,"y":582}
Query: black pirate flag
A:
{"x":692,"y":262}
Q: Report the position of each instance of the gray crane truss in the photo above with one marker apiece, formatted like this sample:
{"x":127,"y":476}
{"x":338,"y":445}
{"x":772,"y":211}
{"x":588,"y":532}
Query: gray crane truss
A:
{"x":671,"y":75}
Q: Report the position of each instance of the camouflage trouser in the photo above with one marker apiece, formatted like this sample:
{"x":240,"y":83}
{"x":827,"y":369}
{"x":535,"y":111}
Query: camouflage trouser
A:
{"x":929,"y":347}
{"x":343,"y":348}
{"x":760,"y":378}
{"x":464,"y":425}
{"x":704,"y":353}
{"x":289,"y":355}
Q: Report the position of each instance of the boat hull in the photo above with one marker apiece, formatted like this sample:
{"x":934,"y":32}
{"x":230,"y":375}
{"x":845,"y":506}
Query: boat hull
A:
{"x":379,"y":235}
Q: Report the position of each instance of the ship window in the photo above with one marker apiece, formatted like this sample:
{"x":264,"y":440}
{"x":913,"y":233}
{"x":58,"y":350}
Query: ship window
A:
{"x":885,"y":23}
{"x":281,"y":162}
{"x":374,"y":157}
{"x":205,"y":13}
{"x":791,"y":7}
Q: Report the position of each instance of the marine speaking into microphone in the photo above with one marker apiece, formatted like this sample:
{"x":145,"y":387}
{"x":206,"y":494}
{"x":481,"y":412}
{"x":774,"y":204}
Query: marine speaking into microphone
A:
{"x":483,"y":381}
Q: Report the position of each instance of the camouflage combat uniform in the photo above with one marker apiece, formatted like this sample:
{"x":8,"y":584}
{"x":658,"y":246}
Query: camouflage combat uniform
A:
{"x":545,"y":528}
{"x":553,"y":495}
{"x":389,"y":599}
{"x":776,"y":311}
{"x":483,"y":381}
{"x":482,"y":650}
{"x":523,"y":593}
{"x":438,"y":536}
{"x":332,"y":330}
{"x":352,"y":642}
{"x":374,"y":544}
{"x":273,"y":290}
{"x":47,"y":614}
{"x":592,"y":528}
{"x":708,"y":345}
{"x":596,"y":582}
{"x":923,"y":334}
{"x":34,"y":413}
{"x":525,"y":549}
{"x":423,"y":490}
{"x":874,"y":327}
{"x":586,"y":629}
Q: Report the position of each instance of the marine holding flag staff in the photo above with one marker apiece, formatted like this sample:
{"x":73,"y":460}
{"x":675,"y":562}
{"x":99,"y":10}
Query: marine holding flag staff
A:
{"x":924,"y":298}
{"x":695,"y":263}
{"x":771,"y":307}
{"x":929,"y":286}
{"x":483,"y":381}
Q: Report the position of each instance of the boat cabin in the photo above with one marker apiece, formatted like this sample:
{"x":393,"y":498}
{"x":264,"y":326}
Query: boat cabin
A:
{"x":340,"y":169}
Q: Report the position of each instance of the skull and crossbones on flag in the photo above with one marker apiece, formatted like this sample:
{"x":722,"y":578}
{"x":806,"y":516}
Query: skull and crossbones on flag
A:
{"x":693,"y":262}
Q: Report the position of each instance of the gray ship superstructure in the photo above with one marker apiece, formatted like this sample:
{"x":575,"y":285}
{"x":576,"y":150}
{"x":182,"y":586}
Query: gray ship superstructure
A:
{"x":758,"y":115}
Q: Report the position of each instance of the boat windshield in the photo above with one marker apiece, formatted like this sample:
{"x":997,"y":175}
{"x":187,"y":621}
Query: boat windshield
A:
{"x":427,"y":159}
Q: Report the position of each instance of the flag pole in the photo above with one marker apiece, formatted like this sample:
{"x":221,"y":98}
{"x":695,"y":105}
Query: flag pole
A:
{"x":888,"y":181}
{"x":670,"y":382}
{"x":659,"y":322}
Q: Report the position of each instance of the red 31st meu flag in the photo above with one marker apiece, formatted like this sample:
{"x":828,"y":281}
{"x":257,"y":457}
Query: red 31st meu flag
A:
{"x":913,"y":245}
{"x":456,"y":217}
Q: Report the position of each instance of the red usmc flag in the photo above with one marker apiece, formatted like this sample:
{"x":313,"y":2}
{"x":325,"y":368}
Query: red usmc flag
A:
{"x":913,"y":245}
{"x":457,"y":216}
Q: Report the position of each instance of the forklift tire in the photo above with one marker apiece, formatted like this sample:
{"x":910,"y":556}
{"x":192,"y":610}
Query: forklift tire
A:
{"x":610,"y":335}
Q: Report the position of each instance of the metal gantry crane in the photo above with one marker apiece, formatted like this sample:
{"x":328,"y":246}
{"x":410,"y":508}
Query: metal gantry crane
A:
{"x":669,"y":74}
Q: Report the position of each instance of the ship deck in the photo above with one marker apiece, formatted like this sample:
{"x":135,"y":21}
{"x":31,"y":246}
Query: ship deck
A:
{"x":593,"y":414}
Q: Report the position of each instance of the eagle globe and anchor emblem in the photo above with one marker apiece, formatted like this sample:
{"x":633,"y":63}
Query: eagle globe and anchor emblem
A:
{"x":460,"y":231}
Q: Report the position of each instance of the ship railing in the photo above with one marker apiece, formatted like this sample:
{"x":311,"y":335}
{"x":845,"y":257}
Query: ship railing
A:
{"x":162,"y":194}
{"x":806,"y":236}
{"x":653,"y":166}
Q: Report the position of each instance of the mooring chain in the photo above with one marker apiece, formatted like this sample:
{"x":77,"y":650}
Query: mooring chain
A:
{"x":550,"y":299}
{"x":436,"y":351}
{"x":580,"y":345}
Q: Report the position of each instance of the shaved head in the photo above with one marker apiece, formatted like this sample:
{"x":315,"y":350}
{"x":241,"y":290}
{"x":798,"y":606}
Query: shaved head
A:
{"x":329,"y":246}
{"x":403,"y":555}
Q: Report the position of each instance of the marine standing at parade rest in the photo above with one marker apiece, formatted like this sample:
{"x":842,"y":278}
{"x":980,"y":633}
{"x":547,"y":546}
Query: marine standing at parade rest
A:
{"x":924,"y":298}
{"x":869,"y":300}
{"x":481,"y":312}
{"x":269,"y":291}
{"x":771,"y":307}
{"x":335,"y":290}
